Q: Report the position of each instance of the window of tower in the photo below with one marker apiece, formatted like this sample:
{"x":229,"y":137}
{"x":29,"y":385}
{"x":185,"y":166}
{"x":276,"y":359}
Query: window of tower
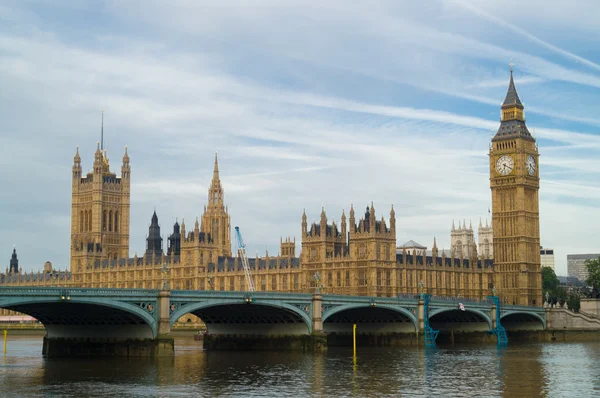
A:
{"x":110,"y":220}
{"x":116,"y":221}
{"x":81,"y":221}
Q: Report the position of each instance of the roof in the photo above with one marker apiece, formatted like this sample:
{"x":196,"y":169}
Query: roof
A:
{"x":512,"y":98}
{"x":411,"y":244}
{"x":510,"y":129}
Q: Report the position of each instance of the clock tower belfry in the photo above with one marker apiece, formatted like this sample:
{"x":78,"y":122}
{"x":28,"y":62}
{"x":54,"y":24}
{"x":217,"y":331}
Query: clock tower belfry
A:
{"x":514,"y":182}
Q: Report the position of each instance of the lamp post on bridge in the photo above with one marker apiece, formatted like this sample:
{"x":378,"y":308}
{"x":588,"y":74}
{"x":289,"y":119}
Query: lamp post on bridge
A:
{"x":165,"y":270}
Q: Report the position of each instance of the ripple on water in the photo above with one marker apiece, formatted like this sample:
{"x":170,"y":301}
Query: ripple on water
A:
{"x":527,"y":370}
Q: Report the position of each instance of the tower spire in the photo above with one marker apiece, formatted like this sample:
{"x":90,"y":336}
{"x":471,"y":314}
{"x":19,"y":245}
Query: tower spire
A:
{"x":512,"y":115}
{"x":216,"y":168}
{"x":102,"y":133}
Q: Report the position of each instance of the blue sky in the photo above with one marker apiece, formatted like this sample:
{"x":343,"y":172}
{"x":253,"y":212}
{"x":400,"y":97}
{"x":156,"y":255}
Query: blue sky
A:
{"x":308,"y":104}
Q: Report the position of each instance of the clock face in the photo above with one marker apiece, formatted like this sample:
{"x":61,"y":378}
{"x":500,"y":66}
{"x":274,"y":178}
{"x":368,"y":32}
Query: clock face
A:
{"x":504,"y":165}
{"x":530,"y":165}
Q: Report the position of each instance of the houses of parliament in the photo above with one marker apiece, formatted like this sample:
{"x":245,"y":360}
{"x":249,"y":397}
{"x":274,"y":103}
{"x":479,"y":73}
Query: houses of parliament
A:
{"x":357,"y":257}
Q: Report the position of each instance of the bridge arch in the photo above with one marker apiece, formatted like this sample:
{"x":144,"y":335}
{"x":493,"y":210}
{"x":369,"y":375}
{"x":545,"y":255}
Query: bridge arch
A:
{"x":522,"y":320}
{"x":258,"y":317}
{"x":96,"y":317}
{"x":469,"y":320}
{"x":403,"y":312}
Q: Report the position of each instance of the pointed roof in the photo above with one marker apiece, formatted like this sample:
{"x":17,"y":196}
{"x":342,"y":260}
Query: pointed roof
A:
{"x":512,"y":98}
{"x":154,"y":218}
{"x":514,"y":127}
{"x":410,"y":244}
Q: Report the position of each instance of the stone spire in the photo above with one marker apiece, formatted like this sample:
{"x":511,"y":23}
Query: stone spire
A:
{"x":154,"y":240}
{"x":215,"y":192}
{"x":14,"y":262}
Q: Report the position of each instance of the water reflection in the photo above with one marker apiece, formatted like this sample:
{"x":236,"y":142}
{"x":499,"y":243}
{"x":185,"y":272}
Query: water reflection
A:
{"x":519,"y":370}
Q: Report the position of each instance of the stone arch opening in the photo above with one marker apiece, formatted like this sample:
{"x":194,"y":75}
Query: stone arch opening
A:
{"x":258,"y":319}
{"x":522,"y":321}
{"x":85,"y":320}
{"x":375,"y":325}
{"x":456,"y":325}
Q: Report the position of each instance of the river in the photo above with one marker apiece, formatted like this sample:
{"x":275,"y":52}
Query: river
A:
{"x":519,"y":370}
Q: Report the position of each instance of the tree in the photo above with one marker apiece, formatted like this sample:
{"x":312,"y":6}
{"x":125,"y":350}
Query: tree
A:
{"x":574,"y":301}
{"x":593,"y":280}
{"x":549,"y":281}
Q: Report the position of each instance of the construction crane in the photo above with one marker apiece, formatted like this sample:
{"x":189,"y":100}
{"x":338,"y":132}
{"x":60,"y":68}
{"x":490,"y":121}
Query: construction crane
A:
{"x":244,"y":258}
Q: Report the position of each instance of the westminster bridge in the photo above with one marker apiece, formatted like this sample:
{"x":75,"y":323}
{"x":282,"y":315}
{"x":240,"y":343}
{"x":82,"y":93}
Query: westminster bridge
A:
{"x":137,"y":322}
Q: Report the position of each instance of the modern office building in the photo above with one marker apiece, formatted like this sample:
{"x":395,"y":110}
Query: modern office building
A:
{"x":576,"y":265}
{"x":547,"y":257}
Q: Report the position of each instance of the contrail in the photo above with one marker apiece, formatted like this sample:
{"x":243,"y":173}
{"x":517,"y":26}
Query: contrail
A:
{"x":528,"y":35}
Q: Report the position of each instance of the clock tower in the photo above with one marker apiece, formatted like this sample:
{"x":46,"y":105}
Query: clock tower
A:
{"x":514,"y":181}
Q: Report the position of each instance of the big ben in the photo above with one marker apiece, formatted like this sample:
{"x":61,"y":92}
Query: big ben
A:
{"x":514,"y":181}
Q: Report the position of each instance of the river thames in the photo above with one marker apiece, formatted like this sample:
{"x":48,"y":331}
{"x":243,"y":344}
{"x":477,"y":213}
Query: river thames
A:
{"x":519,"y":370}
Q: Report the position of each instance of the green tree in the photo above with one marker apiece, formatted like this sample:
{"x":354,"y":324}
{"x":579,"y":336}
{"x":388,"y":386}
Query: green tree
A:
{"x":574,"y":301}
{"x":549,"y":281}
{"x":593,"y":280}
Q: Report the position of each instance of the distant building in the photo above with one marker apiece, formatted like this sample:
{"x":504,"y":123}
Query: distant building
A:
{"x":576,"y":265}
{"x":547,"y":257}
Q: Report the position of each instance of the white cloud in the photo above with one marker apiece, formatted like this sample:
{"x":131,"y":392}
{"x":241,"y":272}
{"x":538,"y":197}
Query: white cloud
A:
{"x":341,"y":106}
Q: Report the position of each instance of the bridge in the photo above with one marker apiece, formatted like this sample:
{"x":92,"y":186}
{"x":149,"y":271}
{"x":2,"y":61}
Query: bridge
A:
{"x":127,"y":322}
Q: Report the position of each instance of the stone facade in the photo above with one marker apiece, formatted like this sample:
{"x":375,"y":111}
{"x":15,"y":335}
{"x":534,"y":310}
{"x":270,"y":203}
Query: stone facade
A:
{"x":356,"y":257}
{"x":514,"y":180}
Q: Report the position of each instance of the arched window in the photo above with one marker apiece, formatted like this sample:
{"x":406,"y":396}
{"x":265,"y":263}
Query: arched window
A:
{"x":104,"y":220}
{"x":116,"y":221}
{"x":85,"y":214}
{"x":116,"y":255}
{"x":110,"y":220}
{"x":81,"y":221}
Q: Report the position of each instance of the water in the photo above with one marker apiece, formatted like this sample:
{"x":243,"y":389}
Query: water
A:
{"x":519,"y":370}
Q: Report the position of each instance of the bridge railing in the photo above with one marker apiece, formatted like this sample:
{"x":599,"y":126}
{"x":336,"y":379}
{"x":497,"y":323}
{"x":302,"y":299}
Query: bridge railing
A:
{"x":460,"y":299}
{"x":73,"y":291}
{"x":237,"y":294}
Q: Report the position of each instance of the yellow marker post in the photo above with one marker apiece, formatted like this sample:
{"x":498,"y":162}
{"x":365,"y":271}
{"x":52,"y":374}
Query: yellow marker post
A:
{"x":5,"y":333}
{"x":354,"y":338}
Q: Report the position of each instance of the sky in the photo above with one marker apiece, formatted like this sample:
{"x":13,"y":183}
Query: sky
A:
{"x":308,"y":104}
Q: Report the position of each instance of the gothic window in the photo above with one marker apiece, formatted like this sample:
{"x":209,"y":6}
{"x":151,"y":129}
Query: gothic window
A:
{"x":284,"y":282}
{"x":81,"y":221}
{"x":313,"y":254}
{"x":274,"y":282}
{"x":362,"y":251}
{"x":110,"y":221}
{"x":104,"y":220}
{"x":459,"y":249}
{"x":221,"y":283}
{"x":387,"y":252}
{"x":116,"y":221}
{"x":231,"y":286}
{"x":388,"y":278}
{"x":377,"y":251}
{"x":347,"y":278}
{"x":378,"y":278}
{"x":296,"y":282}
{"x":339,"y":279}
{"x":362,"y":278}
{"x":329,"y":279}
{"x":263,"y":283}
